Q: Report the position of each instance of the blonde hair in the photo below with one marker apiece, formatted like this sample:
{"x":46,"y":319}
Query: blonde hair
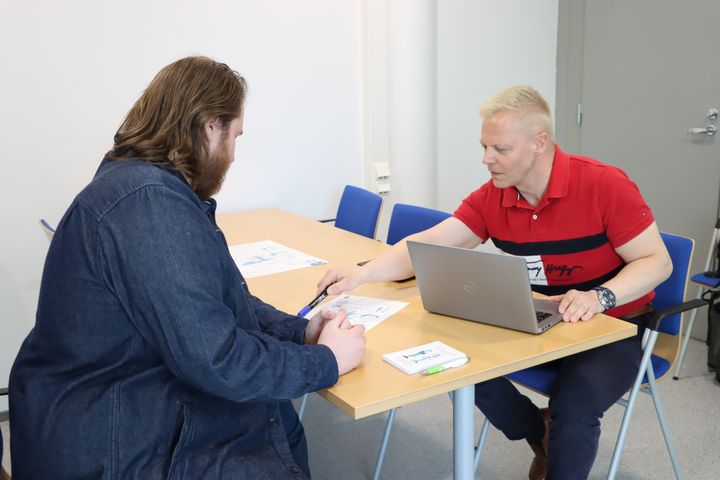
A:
{"x":524,"y":100}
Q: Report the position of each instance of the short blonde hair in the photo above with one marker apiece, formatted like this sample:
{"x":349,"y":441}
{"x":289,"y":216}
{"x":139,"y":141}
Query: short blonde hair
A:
{"x":521,"y":99}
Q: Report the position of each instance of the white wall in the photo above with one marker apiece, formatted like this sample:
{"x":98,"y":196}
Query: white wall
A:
{"x":483,"y":47}
{"x":334,"y":86}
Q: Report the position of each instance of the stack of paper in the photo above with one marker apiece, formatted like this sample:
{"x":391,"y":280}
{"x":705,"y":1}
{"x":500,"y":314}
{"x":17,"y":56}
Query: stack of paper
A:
{"x":423,"y":357}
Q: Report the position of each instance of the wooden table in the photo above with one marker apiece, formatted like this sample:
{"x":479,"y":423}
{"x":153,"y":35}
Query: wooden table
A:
{"x":376,"y":386}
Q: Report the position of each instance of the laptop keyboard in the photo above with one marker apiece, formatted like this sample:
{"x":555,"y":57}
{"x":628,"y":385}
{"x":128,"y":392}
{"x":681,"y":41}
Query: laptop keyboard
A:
{"x":542,"y":315}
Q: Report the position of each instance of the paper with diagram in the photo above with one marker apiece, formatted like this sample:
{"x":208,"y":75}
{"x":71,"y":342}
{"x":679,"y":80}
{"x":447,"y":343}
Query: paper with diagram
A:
{"x":366,"y":311}
{"x":263,"y":258}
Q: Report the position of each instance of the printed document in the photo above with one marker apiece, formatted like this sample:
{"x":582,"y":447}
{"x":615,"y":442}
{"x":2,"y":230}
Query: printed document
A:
{"x":263,"y":258}
{"x":366,"y":311}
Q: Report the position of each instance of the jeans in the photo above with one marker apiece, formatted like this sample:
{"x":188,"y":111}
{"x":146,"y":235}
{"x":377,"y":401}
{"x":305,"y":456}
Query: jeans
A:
{"x":587,"y":384}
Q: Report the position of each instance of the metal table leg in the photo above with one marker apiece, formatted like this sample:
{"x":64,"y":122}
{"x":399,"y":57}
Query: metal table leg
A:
{"x":463,"y":433}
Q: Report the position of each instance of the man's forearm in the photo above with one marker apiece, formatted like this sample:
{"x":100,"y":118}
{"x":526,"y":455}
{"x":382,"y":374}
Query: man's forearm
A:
{"x":639,"y":277}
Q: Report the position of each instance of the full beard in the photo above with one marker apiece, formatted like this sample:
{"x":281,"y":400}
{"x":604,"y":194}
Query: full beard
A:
{"x":212,"y":174}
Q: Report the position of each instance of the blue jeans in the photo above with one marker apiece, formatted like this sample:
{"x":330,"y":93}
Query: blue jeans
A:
{"x":588,"y":383}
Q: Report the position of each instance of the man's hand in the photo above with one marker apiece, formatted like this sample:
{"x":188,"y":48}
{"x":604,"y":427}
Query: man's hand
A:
{"x":340,"y":280}
{"x":316,"y":324}
{"x":347,"y":342}
{"x":576,"y":305}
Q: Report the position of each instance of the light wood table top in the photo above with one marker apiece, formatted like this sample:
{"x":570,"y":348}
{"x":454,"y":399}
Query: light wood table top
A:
{"x":376,"y":386}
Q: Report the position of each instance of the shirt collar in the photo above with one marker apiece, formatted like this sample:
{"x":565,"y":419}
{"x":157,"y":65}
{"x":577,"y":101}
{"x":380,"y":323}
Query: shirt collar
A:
{"x":557,"y":185}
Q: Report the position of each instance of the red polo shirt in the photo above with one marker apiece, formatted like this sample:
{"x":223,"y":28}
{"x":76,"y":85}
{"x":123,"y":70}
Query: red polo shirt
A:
{"x":569,"y":238}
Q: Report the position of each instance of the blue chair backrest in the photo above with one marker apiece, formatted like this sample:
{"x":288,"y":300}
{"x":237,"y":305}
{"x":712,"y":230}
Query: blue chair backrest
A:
{"x":358,"y":211}
{"x":672,"y":291}
{"x":408,"y":219}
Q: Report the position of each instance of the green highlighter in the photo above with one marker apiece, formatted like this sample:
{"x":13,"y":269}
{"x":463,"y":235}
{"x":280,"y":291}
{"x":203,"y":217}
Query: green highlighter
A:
{"x":441,"y":368}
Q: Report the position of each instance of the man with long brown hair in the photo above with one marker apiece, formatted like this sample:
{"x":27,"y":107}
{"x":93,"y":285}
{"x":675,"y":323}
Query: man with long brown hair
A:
{"x":150,"y":358}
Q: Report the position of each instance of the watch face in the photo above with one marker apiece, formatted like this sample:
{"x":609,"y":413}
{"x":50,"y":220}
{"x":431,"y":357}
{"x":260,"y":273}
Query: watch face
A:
{"x":606,"y":297}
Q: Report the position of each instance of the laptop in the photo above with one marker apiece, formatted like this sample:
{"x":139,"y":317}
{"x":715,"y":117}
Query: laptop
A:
{"x":483,"y":287}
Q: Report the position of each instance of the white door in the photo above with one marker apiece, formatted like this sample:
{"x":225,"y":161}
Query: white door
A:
{"x":649,"y":71}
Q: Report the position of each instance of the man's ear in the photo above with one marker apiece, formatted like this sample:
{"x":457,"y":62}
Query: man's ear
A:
{"x":213,"y":129}
{"x":540,"y":142}
{"x":212,"y":124}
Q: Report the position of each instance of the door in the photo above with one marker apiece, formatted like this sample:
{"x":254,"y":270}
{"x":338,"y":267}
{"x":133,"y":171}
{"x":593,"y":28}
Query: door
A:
{"x":648,"y":71}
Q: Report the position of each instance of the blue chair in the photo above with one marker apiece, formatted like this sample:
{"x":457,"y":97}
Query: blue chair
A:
{"x":408,"y":219}
{"x":47,"y":229}
{"x":660,"y":346}
{"x":404,"y":221}
{"x":3,"y":475}
{"x":358,"y":211}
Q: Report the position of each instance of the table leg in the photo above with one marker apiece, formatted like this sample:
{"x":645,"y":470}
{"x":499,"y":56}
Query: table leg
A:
{"x":463,"y":432}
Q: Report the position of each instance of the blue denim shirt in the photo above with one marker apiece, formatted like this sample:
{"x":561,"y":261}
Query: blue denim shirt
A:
{"x":150,"y":358}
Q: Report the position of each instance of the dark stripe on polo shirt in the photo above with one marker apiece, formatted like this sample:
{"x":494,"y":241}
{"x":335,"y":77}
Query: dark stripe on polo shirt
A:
{"x":582,"y":286}
{"x":554,"y":247}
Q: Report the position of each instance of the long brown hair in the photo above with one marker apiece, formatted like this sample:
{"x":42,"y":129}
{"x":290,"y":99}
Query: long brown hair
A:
{"x":167,"y":121}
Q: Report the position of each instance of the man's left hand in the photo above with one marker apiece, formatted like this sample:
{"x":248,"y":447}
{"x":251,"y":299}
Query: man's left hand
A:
{"x":316,"y":324}
{"x":576,"y":305}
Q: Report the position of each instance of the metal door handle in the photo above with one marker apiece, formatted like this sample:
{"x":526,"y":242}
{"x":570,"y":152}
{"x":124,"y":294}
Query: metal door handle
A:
{"x":710,"y":130}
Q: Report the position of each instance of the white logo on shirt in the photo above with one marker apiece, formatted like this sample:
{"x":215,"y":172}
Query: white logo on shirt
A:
{"x":536,"y":270}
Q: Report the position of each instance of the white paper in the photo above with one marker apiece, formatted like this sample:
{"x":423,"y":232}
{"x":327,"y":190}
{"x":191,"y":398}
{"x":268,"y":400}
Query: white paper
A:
{"x":418,"y":359}
{"x":366,"y":311}
{"x":263,"y":258}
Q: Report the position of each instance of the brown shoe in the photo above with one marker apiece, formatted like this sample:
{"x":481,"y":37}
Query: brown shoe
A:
{"x":538,"y":468}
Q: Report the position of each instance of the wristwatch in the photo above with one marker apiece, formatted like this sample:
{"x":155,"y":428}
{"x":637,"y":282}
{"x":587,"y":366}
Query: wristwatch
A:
{"x":606,"y":297}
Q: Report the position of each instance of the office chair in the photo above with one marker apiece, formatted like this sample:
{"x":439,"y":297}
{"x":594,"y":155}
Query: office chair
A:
{"x":3,"y":473}
{"x":47,"y":229}
{"x":660,"y":343}
{"x":358,"y":211}
{"x":405,"y":220}
{"x":408,"y":219}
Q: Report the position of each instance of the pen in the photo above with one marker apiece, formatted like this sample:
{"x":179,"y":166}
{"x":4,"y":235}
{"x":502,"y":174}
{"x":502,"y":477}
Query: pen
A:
{"x":440,"y":368}
{"x":313,"y":303}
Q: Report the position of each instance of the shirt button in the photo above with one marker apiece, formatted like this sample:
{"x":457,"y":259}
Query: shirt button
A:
{"x":294,"y":469}
{"x":273,"y":422}
{"x":534,"y":217}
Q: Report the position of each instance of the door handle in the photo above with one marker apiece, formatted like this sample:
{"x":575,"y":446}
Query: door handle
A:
{"x":710,"y":130}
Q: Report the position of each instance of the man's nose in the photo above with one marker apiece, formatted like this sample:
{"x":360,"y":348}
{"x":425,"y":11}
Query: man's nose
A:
{"x":488,"y":157}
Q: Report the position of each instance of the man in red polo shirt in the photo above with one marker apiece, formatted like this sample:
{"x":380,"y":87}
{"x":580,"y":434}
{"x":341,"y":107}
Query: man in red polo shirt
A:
{"x":590,"y":242}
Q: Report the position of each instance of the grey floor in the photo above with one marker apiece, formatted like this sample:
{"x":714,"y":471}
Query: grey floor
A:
{"x":421,"y":444}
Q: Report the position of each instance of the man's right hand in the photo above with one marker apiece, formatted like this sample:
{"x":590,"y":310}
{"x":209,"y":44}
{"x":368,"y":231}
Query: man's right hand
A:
{"x":347,"y":342}
{"x":340,"y":280}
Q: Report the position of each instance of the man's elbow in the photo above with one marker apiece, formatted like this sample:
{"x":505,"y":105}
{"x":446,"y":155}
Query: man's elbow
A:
{"x":666,"y":267}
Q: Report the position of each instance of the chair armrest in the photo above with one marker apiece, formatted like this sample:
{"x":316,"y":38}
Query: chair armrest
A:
{"x":3,"y":391}
{"x":660,"y":315}
{"x":327,"y":220}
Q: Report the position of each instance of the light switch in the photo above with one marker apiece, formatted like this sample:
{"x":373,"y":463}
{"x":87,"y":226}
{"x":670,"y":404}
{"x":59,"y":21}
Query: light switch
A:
{"x":382,"y":169}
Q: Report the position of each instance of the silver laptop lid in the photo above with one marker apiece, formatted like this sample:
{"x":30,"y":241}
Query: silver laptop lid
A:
{"x":479,"y":286}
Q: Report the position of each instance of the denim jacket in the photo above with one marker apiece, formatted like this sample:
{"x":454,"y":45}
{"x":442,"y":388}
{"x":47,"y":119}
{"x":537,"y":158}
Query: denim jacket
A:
{"x":150,"y":359}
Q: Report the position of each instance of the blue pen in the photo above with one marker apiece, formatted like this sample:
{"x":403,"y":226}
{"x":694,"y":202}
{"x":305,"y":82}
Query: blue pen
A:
{"x":313,"y":303}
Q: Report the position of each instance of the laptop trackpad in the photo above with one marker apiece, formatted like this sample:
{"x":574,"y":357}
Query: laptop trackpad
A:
{"x":546,"y":306}
{"x":546,"y":310}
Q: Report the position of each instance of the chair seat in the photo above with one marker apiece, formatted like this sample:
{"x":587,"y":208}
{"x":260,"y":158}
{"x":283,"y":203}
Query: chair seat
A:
{"x":541,"y":377}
